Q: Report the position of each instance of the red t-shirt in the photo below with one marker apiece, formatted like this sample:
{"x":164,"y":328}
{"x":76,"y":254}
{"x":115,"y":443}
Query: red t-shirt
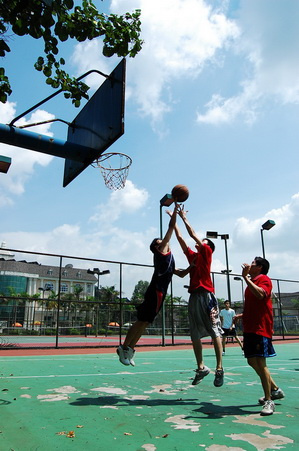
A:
{"x":258,"y":313}
{"x":200,"y":274}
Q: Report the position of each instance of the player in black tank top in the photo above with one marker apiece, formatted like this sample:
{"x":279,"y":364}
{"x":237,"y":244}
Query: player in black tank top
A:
{"x":164,"y":268}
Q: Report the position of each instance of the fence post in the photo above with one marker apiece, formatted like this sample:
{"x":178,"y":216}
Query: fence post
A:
{"x":280,"y":310}
{"x":120,"y":301}
{"x":58,"y":302}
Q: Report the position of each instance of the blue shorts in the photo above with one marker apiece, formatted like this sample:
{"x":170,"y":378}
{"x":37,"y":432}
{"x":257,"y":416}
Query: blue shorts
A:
{"x":257,"y":346}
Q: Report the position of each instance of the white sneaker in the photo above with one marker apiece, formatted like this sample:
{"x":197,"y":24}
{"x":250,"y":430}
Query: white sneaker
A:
{"x":123,"y":355}
{"x":223,"y":352}
{"x":275,"y":394}
{"x":130,"y":354}
{"x":268,"y":408}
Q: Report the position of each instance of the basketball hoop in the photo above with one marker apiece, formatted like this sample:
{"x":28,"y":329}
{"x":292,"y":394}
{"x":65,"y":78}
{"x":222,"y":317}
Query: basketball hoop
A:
{"x":114,"y":168}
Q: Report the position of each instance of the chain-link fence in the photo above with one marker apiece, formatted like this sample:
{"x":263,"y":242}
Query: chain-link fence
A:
{"x":83,"y":313}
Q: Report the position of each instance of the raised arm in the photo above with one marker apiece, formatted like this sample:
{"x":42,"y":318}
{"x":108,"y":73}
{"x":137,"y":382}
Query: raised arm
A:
{"x":183,"y":214}
{"x":178,"y":234}
{"x":163,"y":246}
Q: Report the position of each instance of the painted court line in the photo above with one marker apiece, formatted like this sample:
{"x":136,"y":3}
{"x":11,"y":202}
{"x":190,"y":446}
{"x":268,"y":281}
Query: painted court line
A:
{"x":95,"y":374}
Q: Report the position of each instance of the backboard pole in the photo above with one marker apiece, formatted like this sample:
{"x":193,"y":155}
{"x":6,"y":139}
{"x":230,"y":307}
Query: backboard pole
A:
{"x":45,"y":144}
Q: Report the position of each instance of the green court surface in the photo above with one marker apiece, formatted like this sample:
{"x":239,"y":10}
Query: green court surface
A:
{"x":92,"y":402}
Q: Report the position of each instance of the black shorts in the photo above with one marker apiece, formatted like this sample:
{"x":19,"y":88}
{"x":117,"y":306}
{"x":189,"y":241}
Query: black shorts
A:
{"x":229,"y":332}
{"x":257,"y":346}
{"x":152,"y":304}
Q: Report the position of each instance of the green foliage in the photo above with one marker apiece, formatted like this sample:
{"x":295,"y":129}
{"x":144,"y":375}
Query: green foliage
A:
{"x":58,"y":21}
{"x":108,"y":294}
{"x":139,"y":291}
{"x":295,"y":302}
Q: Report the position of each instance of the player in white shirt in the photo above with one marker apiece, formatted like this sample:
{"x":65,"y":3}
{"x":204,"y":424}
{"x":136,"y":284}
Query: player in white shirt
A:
{"x":227,"y":320}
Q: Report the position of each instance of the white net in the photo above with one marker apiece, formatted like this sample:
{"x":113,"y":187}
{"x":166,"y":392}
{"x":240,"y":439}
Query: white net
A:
{"x":114,"y":169}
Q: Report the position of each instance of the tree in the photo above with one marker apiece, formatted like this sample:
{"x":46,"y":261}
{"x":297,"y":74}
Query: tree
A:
{"x":295,"y":302}
{"x":139,"y":291}
{"x":56,"y":21}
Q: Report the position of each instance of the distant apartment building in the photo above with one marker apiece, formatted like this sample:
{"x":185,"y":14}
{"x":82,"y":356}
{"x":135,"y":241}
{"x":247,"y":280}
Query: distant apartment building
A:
{"x":33,"y":277}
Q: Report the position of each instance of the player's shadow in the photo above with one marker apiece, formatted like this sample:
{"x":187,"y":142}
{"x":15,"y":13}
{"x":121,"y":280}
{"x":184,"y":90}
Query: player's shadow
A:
{"x":4,"y":402}
{"x":216,"y":411}
{"x":119,"y":401}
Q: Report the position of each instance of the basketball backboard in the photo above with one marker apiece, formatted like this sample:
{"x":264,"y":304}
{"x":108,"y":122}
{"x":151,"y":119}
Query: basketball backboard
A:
{"x":100,"y":123}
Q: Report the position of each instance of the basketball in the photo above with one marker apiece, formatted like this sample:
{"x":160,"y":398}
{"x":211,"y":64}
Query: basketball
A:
{"x":180,"y":193}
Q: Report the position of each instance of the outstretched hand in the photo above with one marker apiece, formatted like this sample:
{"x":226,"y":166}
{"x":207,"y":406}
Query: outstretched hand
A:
{"x":176,"y":209}
{"x":182,"y":212}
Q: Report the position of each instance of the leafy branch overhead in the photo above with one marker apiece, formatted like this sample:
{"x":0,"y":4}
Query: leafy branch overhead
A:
{"x":56,"y":21}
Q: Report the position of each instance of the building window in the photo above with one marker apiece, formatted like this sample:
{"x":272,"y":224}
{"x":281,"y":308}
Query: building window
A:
{"x":64,"y":288}
{"x":89,"y":289}
{"x":49,"y":286}
{"x":79,"y":275}
{"x":50,"y":272}
{"x":64,"y":273}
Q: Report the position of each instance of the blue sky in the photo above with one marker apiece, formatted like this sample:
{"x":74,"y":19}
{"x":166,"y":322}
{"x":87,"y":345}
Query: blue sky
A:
{"x":211,"y":102}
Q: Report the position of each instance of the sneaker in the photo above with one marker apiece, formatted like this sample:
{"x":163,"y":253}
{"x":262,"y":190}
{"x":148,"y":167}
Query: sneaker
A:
{"x":130,"y":354}
{"x":123,"y":355}
{"x":200,"y":374}
{"x":275,"y":394}
{"x":268,"y":408}
{"x":219,"y":375}
{"x":223,"y":352}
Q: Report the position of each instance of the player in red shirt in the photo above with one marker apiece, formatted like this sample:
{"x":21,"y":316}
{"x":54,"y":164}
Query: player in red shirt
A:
{"x":258,"y":328}
{"x":203,"y":307}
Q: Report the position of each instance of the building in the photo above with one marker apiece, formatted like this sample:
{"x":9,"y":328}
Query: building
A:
{"x":34,"y":278}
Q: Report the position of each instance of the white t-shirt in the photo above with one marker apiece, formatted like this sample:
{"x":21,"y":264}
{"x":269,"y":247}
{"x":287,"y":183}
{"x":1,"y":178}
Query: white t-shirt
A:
{"x":227,"y":316}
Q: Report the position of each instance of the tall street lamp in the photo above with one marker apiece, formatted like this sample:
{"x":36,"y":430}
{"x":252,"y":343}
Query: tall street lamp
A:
{"x":241,"y":280}
{"x":266,"y":226}
{"x":166,"y":201}
{"x":224,"y":237}
{"x":98,"y":273}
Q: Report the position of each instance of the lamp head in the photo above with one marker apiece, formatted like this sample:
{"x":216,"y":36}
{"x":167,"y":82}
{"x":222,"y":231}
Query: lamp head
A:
{"x":166,"y":201}
{"x":212,"y":234}
{"x":106,"y":271}
{"x":268,"y":224}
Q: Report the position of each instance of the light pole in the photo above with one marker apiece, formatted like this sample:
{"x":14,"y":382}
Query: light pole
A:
{"x":42,"y":289}
{"x":266,"y":226}
{"x":241,"y":280}
{"x":166,"y":201}
{"x":98,"y":273}
{"x":224,"y":237}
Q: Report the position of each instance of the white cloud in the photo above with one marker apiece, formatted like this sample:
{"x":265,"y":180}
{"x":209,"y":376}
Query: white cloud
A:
{"x":221,"y":110}
{"x":281,"y":242}
{"x":125,"y":201}
{"x":23,"y":160}
{"x":270,"y":43}
{"x":88,"y":56}
{"x":180,"y":37}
